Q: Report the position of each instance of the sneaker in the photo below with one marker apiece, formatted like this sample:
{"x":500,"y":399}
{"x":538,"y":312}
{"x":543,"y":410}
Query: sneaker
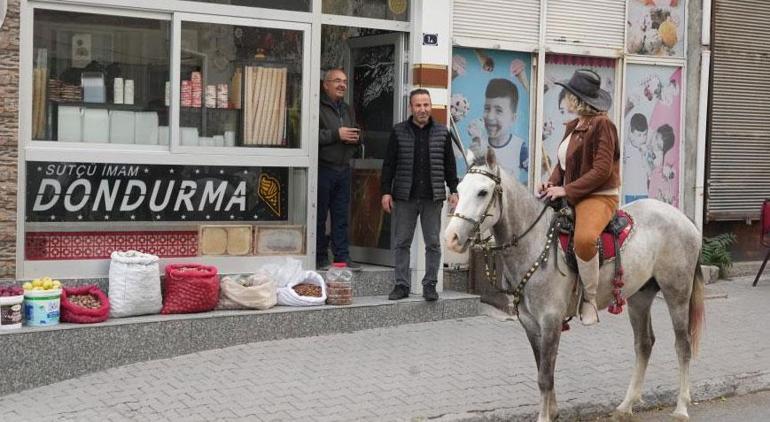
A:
{"x":352,"y":266}
{"x":399,"y":292}
{"x":429,"y":292}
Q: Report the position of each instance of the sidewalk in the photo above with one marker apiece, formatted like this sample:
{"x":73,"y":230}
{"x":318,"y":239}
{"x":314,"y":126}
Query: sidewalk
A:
{"x":468,"y":369}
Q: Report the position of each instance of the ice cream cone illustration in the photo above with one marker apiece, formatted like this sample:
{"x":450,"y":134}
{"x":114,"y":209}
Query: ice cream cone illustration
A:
{"x":270,"y":192}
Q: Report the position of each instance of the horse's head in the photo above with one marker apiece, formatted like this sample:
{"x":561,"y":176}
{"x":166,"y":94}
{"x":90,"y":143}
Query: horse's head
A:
{"x":478,"y":208}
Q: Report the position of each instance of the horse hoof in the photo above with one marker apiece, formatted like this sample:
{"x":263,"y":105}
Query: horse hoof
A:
{"x":682,"y":417}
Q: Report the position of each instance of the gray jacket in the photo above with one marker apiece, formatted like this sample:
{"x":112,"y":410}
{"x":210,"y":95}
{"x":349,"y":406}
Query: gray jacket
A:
{"x":332,"y":152}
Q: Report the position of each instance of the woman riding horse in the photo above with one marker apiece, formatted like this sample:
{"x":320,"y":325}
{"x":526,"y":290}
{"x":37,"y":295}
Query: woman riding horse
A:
{"x":588,"y":175}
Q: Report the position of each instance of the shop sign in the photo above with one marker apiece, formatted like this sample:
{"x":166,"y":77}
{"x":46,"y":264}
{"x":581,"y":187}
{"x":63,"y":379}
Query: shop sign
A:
{"x":88,"y":192}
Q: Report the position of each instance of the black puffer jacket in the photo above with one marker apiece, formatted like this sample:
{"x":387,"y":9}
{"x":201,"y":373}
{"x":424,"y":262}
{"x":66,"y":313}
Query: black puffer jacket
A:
{"x":398,"y":169}
{"x":332,"y":152}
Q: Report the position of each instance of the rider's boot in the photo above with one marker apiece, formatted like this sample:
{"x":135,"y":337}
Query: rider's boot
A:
{"x":589,"y":275}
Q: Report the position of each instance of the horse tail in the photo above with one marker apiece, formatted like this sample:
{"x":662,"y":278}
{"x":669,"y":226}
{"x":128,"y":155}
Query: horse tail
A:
{"x":697,"y":310}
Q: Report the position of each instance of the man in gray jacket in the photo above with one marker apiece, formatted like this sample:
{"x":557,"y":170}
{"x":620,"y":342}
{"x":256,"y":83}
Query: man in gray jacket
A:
{"x":418,"y":162}
{"x":338,"y":141}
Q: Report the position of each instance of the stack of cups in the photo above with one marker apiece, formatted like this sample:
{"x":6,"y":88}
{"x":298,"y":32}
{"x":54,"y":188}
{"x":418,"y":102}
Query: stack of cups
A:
{"x":186,"y":94}
{"x":222,"y":95}
{"x":196,"y":88}
{"x":211,"y":96}
{"x":117,"y":91}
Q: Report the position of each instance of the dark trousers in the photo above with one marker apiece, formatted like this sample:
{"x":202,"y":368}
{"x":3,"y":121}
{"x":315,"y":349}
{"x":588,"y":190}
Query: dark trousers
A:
{"x":334,"y":198}
{"x":405,"y":214}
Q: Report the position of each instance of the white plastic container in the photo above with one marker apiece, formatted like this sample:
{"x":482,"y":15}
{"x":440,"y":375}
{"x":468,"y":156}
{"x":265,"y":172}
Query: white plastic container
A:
{"x":11,"y":312}
{"x":128,"y":91}
{"x":117,"y":91}
{"x":41,"y":307}
{"x":146,"y":128}
{"x":122,"y":127}
{"x":96,"y":125}
{"x":70,"y":124}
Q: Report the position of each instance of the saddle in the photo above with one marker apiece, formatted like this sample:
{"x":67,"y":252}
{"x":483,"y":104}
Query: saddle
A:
{"x":609,"y":243}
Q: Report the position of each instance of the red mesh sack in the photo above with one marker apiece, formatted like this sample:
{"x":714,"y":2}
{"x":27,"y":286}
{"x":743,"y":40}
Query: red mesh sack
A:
{"x":190,"y":288}
{"x":765,"y":217}
{"x":73,"y":312}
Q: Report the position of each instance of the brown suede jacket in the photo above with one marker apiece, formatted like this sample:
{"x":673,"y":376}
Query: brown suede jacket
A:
{"x":593,"y":159}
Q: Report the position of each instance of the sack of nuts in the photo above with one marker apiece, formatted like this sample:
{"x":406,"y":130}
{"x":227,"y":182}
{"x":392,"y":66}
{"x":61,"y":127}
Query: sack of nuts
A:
{"x":84,"y":305}
{"x":309,"y":290}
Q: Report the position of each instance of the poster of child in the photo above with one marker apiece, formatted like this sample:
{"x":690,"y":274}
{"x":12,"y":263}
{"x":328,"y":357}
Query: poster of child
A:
{"x":560,"y":67}
{"x":652,"y":135}
{"x":490,"y":105}
{"x":655,"y":27}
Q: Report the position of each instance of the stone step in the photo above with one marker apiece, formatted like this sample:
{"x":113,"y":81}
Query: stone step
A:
{"x":38,"y":356}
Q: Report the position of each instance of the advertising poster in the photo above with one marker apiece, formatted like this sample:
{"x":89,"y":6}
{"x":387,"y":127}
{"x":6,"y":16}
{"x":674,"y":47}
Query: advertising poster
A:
{"x":555,"y":114}
{"x":656,"y":27}
{"x":652,"y":136}
{"x":490,"y":105}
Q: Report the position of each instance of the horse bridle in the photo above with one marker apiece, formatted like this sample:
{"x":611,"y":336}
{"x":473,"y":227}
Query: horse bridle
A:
{"x":497,"y":194}
{"x":489,"y":249}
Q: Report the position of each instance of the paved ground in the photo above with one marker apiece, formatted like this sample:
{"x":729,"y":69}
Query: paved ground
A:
{"x":747,"y":408}
{"x":470,"y":369}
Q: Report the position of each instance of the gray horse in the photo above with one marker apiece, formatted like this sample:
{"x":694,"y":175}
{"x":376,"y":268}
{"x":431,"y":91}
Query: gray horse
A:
{"x":661,"y":255}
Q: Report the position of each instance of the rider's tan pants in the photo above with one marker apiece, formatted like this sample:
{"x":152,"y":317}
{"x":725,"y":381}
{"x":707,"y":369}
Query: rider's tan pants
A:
{"x":592,"y":215}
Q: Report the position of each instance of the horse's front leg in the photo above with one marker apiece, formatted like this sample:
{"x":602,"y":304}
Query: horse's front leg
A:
{"x":550,"y":334}
{"x":533,"y":333}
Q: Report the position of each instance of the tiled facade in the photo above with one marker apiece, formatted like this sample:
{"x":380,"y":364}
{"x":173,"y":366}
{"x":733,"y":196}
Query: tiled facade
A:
{"x":9,"y":142}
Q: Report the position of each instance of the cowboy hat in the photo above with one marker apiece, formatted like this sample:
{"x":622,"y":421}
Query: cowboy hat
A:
{"x":586,"y":85}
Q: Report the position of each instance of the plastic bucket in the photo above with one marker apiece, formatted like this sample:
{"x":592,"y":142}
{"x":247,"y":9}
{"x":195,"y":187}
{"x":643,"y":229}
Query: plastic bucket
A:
{"x":10,"y":312}
{"x":41,"y":307}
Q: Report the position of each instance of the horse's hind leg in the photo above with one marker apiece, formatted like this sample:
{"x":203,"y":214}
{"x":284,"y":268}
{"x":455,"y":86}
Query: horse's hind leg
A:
{"x":678,"y":301}
{"x":639,"y":306}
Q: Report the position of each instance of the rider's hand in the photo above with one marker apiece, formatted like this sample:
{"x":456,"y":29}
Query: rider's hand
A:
{"x":555,"y":192}
{"x":542,"y":188}
{"x":387,"y":203}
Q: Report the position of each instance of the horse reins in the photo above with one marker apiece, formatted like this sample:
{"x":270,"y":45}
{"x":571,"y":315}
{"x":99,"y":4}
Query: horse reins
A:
{"x":490,"y":249}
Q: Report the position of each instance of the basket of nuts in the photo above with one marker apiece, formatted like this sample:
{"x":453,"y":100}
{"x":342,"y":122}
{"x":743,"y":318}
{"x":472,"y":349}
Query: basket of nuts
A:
{"x":84,"y":305}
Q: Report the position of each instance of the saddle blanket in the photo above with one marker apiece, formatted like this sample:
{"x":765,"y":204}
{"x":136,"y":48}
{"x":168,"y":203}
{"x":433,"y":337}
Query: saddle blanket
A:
{"x":606,"y":245}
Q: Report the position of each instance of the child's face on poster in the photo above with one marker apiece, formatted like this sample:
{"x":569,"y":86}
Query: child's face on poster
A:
{"x":499,"y":117}
{"x":637,"y":138}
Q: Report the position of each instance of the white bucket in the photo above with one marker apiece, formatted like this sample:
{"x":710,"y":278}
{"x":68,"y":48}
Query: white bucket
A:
{"x":10,"y":312}
{"x":41,"y":307}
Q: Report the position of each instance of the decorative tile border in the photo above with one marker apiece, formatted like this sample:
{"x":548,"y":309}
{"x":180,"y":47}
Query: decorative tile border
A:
{"x":99,"y":245}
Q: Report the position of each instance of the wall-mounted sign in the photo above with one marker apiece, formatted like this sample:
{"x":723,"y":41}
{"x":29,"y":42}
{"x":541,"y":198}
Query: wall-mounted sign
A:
{"x":87,"y":192}
{"x":429,"y":39}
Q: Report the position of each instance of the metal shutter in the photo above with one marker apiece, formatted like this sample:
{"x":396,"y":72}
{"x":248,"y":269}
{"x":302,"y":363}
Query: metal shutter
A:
{"x":498,"y":20}
{"x":595,"y":23}
{"x":739,"y":153}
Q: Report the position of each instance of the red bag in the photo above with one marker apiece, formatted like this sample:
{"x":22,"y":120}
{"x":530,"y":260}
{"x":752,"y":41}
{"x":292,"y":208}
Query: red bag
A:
{"x":190,"y":288}
{"x":765,"y":217}
{"x":71,"y":312}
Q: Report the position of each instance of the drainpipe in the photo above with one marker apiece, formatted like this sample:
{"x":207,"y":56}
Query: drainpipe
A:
{"x":705,"y":74}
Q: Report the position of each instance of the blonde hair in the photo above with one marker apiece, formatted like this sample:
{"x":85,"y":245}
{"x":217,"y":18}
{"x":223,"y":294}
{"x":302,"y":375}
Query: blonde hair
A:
{"x":581,"y":107}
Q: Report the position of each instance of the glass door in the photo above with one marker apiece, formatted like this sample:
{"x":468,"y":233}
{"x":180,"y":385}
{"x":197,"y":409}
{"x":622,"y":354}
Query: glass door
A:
{"x":376,"y":68}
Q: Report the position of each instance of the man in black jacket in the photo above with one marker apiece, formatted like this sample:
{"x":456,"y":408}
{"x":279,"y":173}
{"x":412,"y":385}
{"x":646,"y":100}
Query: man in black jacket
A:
{"x":418,"y":162}
{"x":338,"y":141}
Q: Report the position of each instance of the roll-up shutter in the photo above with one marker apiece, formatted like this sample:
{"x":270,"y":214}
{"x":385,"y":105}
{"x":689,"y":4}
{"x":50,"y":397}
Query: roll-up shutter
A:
{"x":739,"y":149}
{"x":595,"y":23}
{"x":498,"y":20}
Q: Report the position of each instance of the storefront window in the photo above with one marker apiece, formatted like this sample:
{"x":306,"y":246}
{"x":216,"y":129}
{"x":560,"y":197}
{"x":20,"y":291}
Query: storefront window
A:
{"x":240,"y":86}
{"x":394,"y":10}
{"x":294,"y":5}
{"x":100,"y":79}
